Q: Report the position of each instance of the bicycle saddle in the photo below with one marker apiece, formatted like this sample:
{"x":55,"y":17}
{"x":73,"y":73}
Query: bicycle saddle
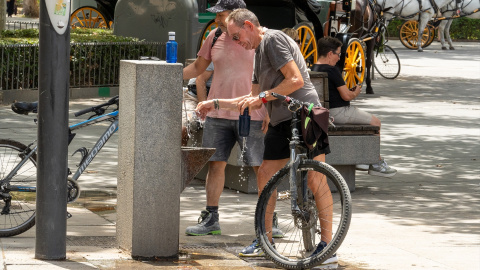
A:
{"x":25,"y":107}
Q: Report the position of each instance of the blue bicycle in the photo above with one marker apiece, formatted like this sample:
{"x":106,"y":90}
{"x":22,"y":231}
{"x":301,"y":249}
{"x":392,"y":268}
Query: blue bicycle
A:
{"x":18,"y":172}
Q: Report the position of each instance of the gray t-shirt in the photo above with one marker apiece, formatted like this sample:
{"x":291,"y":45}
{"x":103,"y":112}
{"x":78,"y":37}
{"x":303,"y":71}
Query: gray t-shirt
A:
{"x":274,"y":51}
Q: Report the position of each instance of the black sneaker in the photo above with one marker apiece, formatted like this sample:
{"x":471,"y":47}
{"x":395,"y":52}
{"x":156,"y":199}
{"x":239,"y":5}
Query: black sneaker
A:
{"x":207,"y":224}
{"x":320,"y":247}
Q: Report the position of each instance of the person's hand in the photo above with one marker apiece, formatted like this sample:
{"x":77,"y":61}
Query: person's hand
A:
{"x":252,"y":102}
{"x":266,"y":121}
{"x":203,"y":108}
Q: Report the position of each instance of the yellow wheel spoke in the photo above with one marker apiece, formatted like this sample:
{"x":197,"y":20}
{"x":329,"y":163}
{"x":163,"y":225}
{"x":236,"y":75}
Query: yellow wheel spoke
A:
{"x":88,"y":17}
{"x":308,"y":44}
{"x":354,"y":70}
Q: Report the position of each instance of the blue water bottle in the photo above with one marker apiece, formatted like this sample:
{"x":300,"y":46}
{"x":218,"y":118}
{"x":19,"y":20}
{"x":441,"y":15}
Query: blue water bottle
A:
{"x":244,"y":124}
{"x":171,"y":48}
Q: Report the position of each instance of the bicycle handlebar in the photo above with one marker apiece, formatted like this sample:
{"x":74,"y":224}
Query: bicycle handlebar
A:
{"x":293,"y":104}
{"x":112,"y":101}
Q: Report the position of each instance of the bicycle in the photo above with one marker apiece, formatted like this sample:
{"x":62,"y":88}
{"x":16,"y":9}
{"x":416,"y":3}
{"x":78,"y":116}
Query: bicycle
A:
{"x":18,"y":172}
{"x":385,"y":60}
{"x":296,"y":209}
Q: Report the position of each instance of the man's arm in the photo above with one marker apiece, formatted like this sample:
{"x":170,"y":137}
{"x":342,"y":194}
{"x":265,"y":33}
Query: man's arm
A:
{"x":292,"y":82}
{"x":196,"y":68}
{"x":201,"y":83}
{"x":255,"y":89}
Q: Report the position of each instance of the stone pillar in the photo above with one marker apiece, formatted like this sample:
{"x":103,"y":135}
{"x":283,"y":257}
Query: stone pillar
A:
{"x":149,"y":158}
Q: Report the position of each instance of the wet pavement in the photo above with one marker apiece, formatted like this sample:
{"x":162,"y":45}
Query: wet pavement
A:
{"x":426,"y":217}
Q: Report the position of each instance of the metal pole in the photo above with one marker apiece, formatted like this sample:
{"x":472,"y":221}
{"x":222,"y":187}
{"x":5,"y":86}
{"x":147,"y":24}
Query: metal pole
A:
{"x":51,"y":216}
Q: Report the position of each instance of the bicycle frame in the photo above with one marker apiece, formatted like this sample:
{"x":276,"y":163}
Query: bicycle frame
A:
{"x":101,"y":141}
{"x":294,"y":163}
{"x":86,"y":160}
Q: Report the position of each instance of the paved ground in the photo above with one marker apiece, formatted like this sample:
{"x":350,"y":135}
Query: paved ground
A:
{"x":20,"y":22}
{"x":427,"y":217}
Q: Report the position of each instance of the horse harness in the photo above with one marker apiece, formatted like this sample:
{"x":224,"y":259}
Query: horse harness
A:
{"x":432,"y":3}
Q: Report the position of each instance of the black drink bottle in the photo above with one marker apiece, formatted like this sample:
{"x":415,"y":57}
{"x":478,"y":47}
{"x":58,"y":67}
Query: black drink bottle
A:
{"x":244,"y":124}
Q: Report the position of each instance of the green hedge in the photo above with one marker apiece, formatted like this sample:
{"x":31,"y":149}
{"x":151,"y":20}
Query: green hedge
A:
{"x":462,"y":28}
{"x":94,"y":57}
{"x":79,"y":35}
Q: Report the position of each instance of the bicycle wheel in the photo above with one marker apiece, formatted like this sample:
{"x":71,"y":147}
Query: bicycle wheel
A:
{"x":302,"y":232}
{"x":308,"y":226}
{"x":386,"y":62}
{"x":18,"y":197}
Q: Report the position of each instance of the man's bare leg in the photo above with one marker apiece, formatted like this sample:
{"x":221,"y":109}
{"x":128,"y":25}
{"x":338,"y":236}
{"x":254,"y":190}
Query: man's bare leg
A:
{"x":265,"y":173}
{"x":215,"y":181}
{"x":317,"y":183}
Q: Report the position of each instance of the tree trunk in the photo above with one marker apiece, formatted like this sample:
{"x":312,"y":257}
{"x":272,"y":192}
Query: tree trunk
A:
{"x":3,"y":15}
{"x":30,"y":8}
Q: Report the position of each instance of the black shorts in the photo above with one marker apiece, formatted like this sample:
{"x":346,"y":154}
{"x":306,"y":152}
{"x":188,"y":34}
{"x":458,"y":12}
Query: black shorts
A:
{"x":277,"y":142}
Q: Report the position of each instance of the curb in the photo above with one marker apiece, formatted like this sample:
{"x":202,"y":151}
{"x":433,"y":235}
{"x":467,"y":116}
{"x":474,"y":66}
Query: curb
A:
{"x":10,"y":96}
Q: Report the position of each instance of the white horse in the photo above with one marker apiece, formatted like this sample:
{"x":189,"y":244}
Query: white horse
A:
{"x":468,"y":8}
{"x":421,"y":10}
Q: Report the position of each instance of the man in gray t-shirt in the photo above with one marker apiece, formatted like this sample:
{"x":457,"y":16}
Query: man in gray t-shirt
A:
{"x":279,"y":68}
{"x":274,"y":52}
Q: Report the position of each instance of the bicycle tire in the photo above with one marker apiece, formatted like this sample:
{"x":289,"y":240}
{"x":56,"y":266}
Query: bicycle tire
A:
{"x":21,"y":214}
{"x":386,"y":62}
{"x":308,"y":229}
{"x":290,"y":251}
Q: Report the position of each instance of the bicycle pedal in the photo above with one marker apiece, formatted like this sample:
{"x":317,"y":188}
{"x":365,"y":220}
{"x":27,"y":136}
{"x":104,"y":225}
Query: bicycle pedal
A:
{"x":69,"y":215}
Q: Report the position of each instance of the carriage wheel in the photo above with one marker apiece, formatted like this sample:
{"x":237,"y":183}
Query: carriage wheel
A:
{"x":308,"y":44}
{"x":431,"y":32}
{"x":409,"y":35}
{"x":354,"y":67}
{"x":210,"y":26}
{"x":88,"y":17}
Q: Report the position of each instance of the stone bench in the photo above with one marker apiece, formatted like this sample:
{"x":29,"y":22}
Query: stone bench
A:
{"x":349,"y":144}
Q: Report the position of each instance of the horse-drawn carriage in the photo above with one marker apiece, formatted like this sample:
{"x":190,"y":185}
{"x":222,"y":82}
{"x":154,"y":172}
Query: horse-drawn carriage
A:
{"x":442,"y":20}
{"x":153,"y":19}
{"x":92,"y":13}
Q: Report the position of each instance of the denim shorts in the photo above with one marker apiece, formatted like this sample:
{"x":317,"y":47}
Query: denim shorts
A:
{"x":222,"y":134}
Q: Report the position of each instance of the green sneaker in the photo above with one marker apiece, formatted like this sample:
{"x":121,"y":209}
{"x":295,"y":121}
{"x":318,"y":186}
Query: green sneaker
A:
{"x":207,"y":224}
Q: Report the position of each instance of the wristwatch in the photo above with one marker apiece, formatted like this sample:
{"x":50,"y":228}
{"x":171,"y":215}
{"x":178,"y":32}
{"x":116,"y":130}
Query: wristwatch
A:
{"x":262,"y":96}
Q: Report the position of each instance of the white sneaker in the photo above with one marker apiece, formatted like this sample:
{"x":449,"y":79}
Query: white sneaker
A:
{"x":382,"y":169}
{"x":333,"y":259}
{"x":362,"y":167}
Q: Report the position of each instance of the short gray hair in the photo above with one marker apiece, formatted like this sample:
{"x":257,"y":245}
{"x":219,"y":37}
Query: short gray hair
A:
{"x":239,"y":16}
